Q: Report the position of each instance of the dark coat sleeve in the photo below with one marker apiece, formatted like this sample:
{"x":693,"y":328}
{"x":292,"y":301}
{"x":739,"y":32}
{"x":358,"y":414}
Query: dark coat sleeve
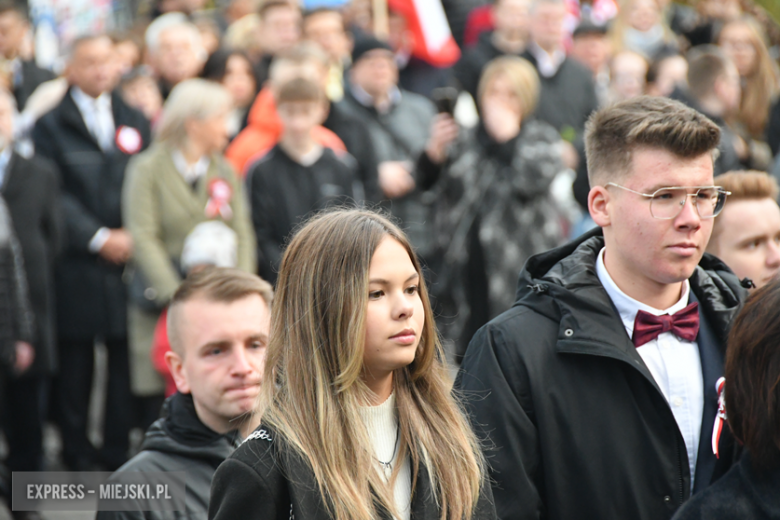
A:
{"x":239,"y":491}
{"x":489,"y":382}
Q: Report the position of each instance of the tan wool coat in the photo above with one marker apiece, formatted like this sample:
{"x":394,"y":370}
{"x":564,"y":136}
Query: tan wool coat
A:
{"x":159,"y":209}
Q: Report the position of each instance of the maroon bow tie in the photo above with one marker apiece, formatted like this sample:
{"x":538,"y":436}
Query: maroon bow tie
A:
{"x":683,"y":324}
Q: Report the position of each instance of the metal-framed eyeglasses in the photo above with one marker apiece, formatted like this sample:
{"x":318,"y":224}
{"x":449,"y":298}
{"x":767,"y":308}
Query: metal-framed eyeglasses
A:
{"x":667,"y":203}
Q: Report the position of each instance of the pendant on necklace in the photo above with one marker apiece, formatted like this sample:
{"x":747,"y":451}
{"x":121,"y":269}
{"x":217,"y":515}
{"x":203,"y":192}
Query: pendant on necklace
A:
{"x":388,"y":467}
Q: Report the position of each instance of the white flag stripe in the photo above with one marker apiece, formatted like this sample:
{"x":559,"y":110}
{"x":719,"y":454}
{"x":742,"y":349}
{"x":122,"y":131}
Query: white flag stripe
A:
{"x":433,"y":21}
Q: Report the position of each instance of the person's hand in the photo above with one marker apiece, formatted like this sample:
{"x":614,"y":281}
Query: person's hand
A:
{"x":25,"y":355}
{"x":501,"y":120}
{"x":444,"y":130}
{"x":118,"y":247}
{"x":571,"y":159}
{"x":395,"y":179}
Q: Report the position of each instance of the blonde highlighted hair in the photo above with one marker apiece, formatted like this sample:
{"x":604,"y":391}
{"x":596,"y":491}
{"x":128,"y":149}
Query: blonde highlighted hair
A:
{"x":190,"y":99}
{"x":314,"y":369}
{"x":520,"y":74}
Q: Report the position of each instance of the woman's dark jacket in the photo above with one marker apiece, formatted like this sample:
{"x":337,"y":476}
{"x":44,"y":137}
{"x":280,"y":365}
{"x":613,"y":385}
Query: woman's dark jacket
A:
{"x":493,"y":211}
{"x":579,"y":426}
{"x":742,"y":494}
{"x":265,"y":479}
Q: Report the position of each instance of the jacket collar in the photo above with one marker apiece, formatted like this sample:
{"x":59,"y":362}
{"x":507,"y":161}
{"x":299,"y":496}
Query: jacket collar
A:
{"x":180,"y":431}
{"x":562,"y":284}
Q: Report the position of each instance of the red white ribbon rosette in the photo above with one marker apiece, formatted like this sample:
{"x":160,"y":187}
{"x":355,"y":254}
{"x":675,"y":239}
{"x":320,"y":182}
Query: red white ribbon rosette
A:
{"x":128,"y":140}
{"x":220,"y":194}
{"x":721,"y":417}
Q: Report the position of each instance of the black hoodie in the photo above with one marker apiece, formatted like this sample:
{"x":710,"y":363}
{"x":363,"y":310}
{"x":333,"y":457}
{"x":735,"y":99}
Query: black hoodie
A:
{"x":179,"y":441}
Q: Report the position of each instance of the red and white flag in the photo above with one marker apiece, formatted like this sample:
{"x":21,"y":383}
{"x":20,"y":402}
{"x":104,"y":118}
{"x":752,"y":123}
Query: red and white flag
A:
{"x":433,"y":41}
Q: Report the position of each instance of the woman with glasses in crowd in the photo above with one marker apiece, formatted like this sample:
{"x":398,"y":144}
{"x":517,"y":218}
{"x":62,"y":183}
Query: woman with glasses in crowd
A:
{"x":357,"y":421}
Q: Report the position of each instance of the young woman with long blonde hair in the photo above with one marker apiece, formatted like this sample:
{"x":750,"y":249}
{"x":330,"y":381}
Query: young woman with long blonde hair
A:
{"x":357,"y":421}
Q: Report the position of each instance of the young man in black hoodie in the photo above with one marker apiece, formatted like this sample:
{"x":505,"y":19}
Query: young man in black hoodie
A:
{"x":218,"y":325}
{"x":598,"y":387}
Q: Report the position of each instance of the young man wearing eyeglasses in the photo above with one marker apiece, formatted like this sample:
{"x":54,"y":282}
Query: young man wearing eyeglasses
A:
{"x":597,"y":389}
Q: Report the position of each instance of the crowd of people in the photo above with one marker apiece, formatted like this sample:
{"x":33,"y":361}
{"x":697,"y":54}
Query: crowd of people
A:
{"x":261,"y":192}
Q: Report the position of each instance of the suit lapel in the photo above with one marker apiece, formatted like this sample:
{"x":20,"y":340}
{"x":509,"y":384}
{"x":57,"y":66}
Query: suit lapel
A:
{"x":711,"y":370}
{"x":176,"y":184}
{"x":72,"y":117}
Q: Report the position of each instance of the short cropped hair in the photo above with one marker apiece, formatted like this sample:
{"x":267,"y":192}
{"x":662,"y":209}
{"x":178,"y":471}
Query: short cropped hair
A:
{"x":83,"y":40}
{"x":9,"y":6}
{"x":743,"y":185}
{"x":520,"y":74}
{"x":218,"y":285}
{"x":614,"y":132}
{"x":301,"y":54}
{"x":752,"y":372}
{"x":270,"y":5}
{"x":311,"y":13}
{"x":706,"y":63}
{"x":191,"y":99}
{"x":166,"y":22}
{"x":299,"y":89}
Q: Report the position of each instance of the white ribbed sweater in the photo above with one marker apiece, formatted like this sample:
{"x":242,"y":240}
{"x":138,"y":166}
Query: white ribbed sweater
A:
{"x":382,"y":425}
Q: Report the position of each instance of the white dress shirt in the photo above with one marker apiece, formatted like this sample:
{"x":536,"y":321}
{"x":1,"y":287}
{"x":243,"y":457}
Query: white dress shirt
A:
{"x":99,"y":119}
{"x":191,"y":173}
{"x":97,"y":115}
{"x":546,"y":64}
{"x":674,"y":363}
{"x":5,"y":158}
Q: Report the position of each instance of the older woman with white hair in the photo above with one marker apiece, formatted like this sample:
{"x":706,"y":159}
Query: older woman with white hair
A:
{"x":181,"y":181}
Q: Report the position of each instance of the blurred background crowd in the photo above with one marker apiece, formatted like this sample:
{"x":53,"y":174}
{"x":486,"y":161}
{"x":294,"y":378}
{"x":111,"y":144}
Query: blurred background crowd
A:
{"x":143,"y":139}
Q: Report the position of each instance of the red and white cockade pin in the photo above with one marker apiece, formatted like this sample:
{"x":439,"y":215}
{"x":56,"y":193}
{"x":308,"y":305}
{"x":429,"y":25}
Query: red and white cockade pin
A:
{"x":128,"y":139}
{"x":220,"y":194}
{"x":721,"y":418}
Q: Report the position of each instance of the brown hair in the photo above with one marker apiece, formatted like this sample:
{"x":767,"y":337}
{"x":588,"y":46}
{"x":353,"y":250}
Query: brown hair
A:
{"x":314,"y":365}
{"x":613,"y":133}
{"x":9,"y":6}
{"x":706,"y":64}
{"x":299,"y":89}
{"x":520,"y":74}
{"x":752,"y":373}
{"x":215,"y":284}
{"x":762,"y":85}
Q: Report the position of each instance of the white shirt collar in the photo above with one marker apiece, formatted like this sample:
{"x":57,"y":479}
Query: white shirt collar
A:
{"x":547,"y":64}
{"x":85,"y":102}
{"x":627,"y":306}
{"x":366,"y":99}
{"x":190,"y":173}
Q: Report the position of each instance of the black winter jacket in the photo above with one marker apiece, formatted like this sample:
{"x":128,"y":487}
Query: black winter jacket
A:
{"x":179,"y":441}
{"x":741,"y":494}
{"x":264,"y":479}
{"x":581,"y":429}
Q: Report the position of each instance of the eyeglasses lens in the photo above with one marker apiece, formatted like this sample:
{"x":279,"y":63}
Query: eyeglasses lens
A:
{"x":667,"y":203}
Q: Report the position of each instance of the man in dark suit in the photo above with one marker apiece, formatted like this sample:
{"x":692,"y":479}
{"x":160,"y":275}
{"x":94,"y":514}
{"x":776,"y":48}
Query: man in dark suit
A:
{"x":26,"y":76}
{"x":30,"y":187}
{"x":91,"y":136}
